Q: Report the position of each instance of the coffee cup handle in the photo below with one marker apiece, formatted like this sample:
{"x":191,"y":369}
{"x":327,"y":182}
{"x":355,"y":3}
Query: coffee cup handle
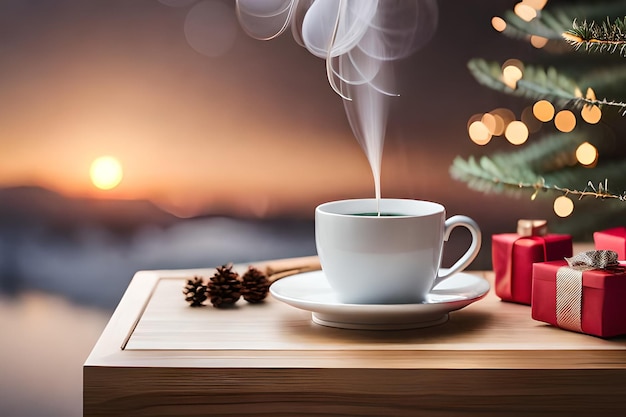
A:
{"x":470,"y":254}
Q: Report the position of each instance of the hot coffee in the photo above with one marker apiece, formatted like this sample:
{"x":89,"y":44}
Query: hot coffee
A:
{"x":375,"y":214}
{"x":387,"y":259}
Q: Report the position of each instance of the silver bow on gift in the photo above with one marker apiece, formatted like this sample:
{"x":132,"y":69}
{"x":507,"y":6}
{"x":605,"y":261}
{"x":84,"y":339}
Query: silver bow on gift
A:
{"x":569,"y":285}
{"x":593,"y":259}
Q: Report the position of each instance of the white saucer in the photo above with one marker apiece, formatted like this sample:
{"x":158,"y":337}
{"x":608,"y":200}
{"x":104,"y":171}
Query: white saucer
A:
{"x":310,"y":291}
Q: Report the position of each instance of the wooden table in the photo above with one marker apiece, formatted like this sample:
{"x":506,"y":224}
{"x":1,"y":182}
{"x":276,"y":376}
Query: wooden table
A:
{"x":158,"y":356}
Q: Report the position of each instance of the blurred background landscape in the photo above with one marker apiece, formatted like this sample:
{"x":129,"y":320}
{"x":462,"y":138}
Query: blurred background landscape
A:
{"x":226,"y":143}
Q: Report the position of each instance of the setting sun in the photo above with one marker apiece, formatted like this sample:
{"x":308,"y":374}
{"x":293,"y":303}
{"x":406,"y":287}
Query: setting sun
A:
{"x":106,"y":172}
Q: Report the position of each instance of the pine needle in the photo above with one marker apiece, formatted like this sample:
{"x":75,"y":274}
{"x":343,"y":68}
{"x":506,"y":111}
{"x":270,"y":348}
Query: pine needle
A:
{"x":547,"y":165}
{"x":598,"y":37}
{"x":538,"y":83}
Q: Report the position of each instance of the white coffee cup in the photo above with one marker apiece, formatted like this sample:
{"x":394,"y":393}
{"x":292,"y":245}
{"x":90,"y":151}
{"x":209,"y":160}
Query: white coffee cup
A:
{"x":389,"y":259}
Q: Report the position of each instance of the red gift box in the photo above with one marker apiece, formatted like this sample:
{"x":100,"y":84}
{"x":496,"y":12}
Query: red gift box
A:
{"x":612,"y":239}
{"x":513,"y":256}
{"x":599,"y":310}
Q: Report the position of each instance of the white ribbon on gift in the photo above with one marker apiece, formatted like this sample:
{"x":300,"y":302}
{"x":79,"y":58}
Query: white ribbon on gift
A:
{"x":569,"y":285}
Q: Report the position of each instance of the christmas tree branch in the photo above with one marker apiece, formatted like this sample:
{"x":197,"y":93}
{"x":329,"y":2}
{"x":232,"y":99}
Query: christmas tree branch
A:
{"x":549,"y":165}
{"x":551,"y":22}
{"x":604,"y":37}
{"x":540,"y":166}
{"x":601,"y":191}
{"x":549,"y":25}
{"x":538,"y":83}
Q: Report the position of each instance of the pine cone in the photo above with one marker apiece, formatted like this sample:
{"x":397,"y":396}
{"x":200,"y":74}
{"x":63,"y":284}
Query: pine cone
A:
{"x":224,"y":286}
{"x":195,"y":291}
{"x":255,"y":285}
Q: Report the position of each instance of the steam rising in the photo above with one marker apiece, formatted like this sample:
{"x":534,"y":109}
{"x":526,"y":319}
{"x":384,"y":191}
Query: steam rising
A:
{"x":360,"y":40}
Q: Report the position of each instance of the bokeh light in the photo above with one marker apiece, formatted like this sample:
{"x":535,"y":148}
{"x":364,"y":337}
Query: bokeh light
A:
{"x":586,"y":154}
{"x":211,"y":28}
{"x":516,"y":132}
{"x":512,"y":72}
{"x":591,"y":113}
{"x":543,"y":110}
{"x":479,"y":133}
{"x":565,"y":121}
{"x":492,"y":122}
{"x":563,"y":206}
{"x":591,"y":95}
{"x":525,"y":12}
{"x":510,"y":76}
{"x":578,"y":93}
{"x":535,"y":4}
{"x":538,"y":41}
{"x":513,"y":62}
{"x":498,"y":23}
{"x":497,"y":129}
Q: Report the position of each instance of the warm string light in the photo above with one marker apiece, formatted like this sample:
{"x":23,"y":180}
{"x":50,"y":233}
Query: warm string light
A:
{"x":587,"y":154}
{"x":591,"y":114}
{"x":536,"y":4}
{"x":479,"y":132}
{"x":498,"y":23}
{"x":565,"y":121}
{"x":516,"y":132}
{"x":591,"y":95}
{"x":563,"y":206}
{"x":482,"y":128}
{"x":512,"y":72}
{"x":499,"y":122}
{"x":578,"y":93}
{"x":493,"y":123}
{"x":526,"y":10}
{"x":538,"y":41}
{"x":543,"y":110}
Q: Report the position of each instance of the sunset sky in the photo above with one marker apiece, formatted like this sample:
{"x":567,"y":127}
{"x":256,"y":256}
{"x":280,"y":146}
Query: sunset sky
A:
{"x":202,"y":117}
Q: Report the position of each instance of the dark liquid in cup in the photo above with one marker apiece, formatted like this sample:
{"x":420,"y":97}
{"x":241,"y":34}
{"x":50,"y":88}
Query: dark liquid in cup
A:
{"x":374,"y":214}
